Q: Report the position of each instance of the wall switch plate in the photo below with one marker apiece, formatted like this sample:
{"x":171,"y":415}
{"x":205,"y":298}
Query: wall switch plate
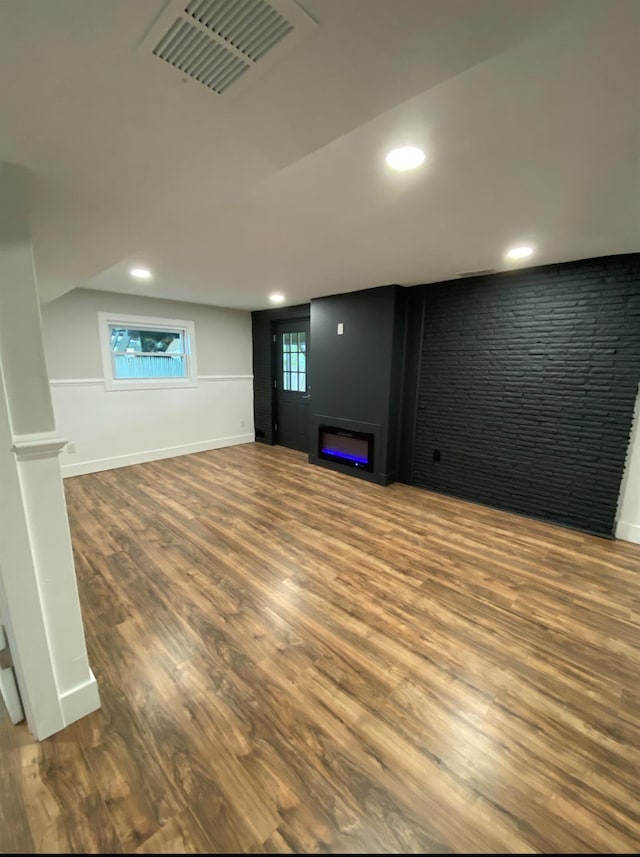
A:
{"x":340,"y":328}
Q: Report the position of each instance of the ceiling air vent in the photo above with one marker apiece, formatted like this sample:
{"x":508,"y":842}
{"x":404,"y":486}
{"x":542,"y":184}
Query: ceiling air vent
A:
{"x":483,"y":273}
{"x":217,"y":41}
{"x":195,"y":54}
{"x":252,"y":26}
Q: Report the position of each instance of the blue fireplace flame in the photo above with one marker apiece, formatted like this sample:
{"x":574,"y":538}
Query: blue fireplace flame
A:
{"x":358,"y":459}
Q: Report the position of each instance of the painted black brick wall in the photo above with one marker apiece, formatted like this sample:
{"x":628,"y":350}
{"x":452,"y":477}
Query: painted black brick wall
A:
{"x":263,"y":368}
{"x":526,"y":386}
{"x":262,"y":378}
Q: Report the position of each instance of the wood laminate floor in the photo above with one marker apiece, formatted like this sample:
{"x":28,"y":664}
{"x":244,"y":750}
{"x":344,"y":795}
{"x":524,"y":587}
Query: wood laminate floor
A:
{"x":292,"y":660}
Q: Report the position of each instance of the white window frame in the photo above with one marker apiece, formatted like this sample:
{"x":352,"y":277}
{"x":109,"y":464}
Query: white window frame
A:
{"x":187,"y":329}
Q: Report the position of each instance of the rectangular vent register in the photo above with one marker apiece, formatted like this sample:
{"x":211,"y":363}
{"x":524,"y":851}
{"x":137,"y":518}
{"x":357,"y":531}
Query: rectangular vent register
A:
{"x":216,"y":42}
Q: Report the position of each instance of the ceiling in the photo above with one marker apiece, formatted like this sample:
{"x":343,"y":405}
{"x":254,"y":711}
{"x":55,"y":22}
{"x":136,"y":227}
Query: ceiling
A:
{"x":528,"y":110}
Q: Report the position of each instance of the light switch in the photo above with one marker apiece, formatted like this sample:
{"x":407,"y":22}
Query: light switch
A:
{"x":340,"y":328}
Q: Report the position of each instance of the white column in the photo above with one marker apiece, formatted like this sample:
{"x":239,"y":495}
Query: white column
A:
{"x":628,"y":521}
{"x":38,"y":591}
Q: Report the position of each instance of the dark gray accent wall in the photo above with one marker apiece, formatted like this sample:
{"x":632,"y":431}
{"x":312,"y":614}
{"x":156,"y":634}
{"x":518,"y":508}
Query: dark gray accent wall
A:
{"x":414,"y":314}
{"x":356,"y":377}
{"x":526,"y":387}
{"x":262,"y":325}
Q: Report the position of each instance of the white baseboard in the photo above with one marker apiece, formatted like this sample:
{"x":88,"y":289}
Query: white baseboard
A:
{"x":80,"y":701}
{"x":628,"y":532}
{"x":152,"y":455}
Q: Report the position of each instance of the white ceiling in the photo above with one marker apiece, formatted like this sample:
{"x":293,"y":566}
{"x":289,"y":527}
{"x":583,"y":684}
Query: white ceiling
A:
{"x":529,"y":111}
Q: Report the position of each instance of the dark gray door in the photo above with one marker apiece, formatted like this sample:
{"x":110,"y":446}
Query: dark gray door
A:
{"x":292,"y":384}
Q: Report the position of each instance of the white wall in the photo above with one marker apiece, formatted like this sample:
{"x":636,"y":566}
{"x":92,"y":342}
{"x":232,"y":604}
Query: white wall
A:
{"x":628,"y":526}
{"x":117,"y":428}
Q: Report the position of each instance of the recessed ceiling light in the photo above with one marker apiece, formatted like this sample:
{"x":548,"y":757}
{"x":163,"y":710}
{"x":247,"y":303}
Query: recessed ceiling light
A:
{"x":405,"y":158}
{"x":276,"y":298}
{"x":519,"y":252}
{"x":140,"y":273}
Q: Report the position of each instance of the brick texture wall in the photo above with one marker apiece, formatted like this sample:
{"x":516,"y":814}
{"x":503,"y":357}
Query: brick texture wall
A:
{"x":262,"y":377}
{"x":526,"y":389}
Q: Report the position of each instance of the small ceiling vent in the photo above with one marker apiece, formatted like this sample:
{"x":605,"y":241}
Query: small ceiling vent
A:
{"x":193,"y":53}
{"x":483,"y":273}
{"x":217,"y":41}
{"x":252,"y":26}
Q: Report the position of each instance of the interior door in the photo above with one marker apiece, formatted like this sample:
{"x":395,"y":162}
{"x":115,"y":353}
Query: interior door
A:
{"x":292,"y":383}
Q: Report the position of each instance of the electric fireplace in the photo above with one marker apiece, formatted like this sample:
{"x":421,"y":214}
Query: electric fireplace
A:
{"x":353,"y":448}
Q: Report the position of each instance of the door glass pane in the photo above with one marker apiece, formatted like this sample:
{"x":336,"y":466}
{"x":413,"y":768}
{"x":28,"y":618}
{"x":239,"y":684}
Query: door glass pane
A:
{"x":294,"y":362}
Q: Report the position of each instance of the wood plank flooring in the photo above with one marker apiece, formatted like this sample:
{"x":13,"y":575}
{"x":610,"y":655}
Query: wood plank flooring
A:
{"x":293,"y":660}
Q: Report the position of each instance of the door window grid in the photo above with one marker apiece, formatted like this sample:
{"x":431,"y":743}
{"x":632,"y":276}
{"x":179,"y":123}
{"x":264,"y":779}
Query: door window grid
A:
{"x":294,"y":361}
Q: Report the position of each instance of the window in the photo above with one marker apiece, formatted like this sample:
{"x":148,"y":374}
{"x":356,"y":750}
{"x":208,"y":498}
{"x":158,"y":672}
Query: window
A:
{"x":294,"y":361}
{"x":147,"y":353}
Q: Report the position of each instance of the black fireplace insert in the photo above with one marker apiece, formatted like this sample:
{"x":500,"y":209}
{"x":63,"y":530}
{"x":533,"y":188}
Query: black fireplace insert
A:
{"x":353,"y":448}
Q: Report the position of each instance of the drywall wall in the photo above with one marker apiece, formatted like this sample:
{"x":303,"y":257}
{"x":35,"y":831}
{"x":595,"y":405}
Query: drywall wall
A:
{"x":72,"y":346}
{"x":355,"y":370}
{"x":109,"y":429}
